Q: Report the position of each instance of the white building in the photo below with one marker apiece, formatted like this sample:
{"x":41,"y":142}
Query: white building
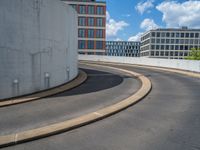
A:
{"x":169,"y":43}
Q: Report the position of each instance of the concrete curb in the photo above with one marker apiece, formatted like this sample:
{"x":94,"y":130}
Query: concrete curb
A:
{"x":67,"y":125}
{"x":82,"y":76}
{"x":183,"y":72}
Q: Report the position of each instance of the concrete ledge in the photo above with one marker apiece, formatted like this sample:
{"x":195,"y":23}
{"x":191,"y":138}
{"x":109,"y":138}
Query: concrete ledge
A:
{"x":179,"y":71}
{"x":82,"y":120}
{"x":82,"y":76}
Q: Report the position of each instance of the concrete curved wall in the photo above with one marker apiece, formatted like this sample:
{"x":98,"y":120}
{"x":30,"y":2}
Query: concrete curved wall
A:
{"x":38,"y":45}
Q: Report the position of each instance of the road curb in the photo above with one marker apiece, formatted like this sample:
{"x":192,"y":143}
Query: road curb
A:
{"x":67,"y":125}
{"x":183,"y":72}
{"x":82,"y":76}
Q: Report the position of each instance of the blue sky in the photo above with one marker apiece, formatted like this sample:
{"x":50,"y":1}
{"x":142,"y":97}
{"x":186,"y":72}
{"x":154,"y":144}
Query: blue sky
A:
{"x":127,"y":19}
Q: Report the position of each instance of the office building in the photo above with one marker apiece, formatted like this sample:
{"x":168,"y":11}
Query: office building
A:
{"x":91,"y":25}
{"x":174,"y":43}
{"x":123,"y":48}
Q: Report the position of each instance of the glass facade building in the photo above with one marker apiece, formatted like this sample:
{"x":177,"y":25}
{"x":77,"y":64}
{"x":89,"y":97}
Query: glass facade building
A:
{"x":91,"y":26}
{"x":123,"y":48}
{"x":169,"y":43}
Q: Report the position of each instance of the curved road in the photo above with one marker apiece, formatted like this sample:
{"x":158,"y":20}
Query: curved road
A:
{"x":167,"y":119}
{"x":94,"y":94}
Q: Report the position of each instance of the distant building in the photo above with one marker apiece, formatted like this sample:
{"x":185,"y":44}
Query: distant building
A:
{"x":123,"y":48}
{"x":169,"y":43}
{"x":91,"y":25}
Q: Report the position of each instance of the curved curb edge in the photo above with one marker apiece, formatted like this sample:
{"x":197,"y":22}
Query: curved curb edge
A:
{"x":82,"y":77}
{"x":173,"y":70}
{"x":34,"y":134}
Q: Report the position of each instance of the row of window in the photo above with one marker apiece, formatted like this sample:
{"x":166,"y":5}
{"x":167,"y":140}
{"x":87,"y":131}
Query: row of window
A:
{"x":171,"y":35}
{"x":90,"y":44}
{"x":168,"y":53}
{"x":122,"y":43}
{"x":175,"y":41}
{"x":123,"y":54}
{"x":91,"y":21}
{"x":175,"y":34}
{"x":91,"y":33}
{"x":172,"y":47}
{"x":122,"y":51}
{"x":90,"y":9}
{"x":122,"y":47}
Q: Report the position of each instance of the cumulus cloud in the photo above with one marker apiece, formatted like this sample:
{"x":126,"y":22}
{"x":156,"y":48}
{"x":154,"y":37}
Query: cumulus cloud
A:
{"x":113,"y":26}
{"x":142,"y":7}
{"x":177,"y":14}
{"x":148,"y":24}
{"x":135,"y":37}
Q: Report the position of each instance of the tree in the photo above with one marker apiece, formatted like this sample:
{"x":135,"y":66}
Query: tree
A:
{"x":194,"y":54}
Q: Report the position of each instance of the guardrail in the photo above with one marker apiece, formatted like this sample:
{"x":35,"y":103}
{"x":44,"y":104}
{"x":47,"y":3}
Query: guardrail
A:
{"x":189,"y":65}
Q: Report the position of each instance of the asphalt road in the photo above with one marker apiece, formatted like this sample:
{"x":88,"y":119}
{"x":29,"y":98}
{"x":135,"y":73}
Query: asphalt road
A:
{"x":100,"y":90}
{"x":167,"y":119}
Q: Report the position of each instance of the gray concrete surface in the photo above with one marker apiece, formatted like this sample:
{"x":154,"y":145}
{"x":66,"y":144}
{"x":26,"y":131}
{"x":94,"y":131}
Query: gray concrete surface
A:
{"x":38,"y":45}
{"x":94,"y":94}
{"x":167,"y":119}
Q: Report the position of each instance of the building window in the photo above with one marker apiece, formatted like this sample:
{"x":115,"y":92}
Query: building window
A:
{"x":90,"y":9}
{"x":152,"y":40}
{"x":81,"y":21}
{"x":157,"y":40}
{"x":90,"y":21}
{"x":187,"y":35}
{"x":167,"y":34}
{"x":81,"y":44}
{"x":99,"y":44}
{"x":153,"y":34}
{"x":177,"y":35}
{"x":90,"y":33}
{"x":196,"y":35}
{"x":90,"y":44}
{"x":162,"y":34}
{"x":172,"y":34}
{"x":82,"y":9}
{"x":99,"y":33}
{"x":172,"y":47}
{"x":100,"y":10}
{"x":81,"y":33}
{"x":182,"y":34}
{"x":191,"y":35}
{"x":74,"y":6}
{"x":158,"y":34}
{"x":99,"y":22}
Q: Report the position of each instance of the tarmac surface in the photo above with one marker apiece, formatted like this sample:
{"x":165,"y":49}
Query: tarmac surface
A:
{"x":167,"y":119}
{"x":100,"y":90}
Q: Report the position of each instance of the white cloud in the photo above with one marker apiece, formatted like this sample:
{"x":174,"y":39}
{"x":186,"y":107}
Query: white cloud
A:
{"x":118,"y":39}
{"x":113,"y":27}
{"x":181,"y":14}
{"x":142,"y":7}
{"x":107,"y":15}
{"x":148,"y":24}
{"x":126,"y":15}
{"x":135,"y":37}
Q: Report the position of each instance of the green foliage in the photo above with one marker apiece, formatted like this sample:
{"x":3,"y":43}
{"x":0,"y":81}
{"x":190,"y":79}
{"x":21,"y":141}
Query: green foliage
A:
{"x":194,"y":54}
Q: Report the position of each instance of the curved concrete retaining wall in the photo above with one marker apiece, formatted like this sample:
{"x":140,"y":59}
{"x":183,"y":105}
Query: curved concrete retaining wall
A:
{"x":38,"y":45}
{"x":188,"y":65}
